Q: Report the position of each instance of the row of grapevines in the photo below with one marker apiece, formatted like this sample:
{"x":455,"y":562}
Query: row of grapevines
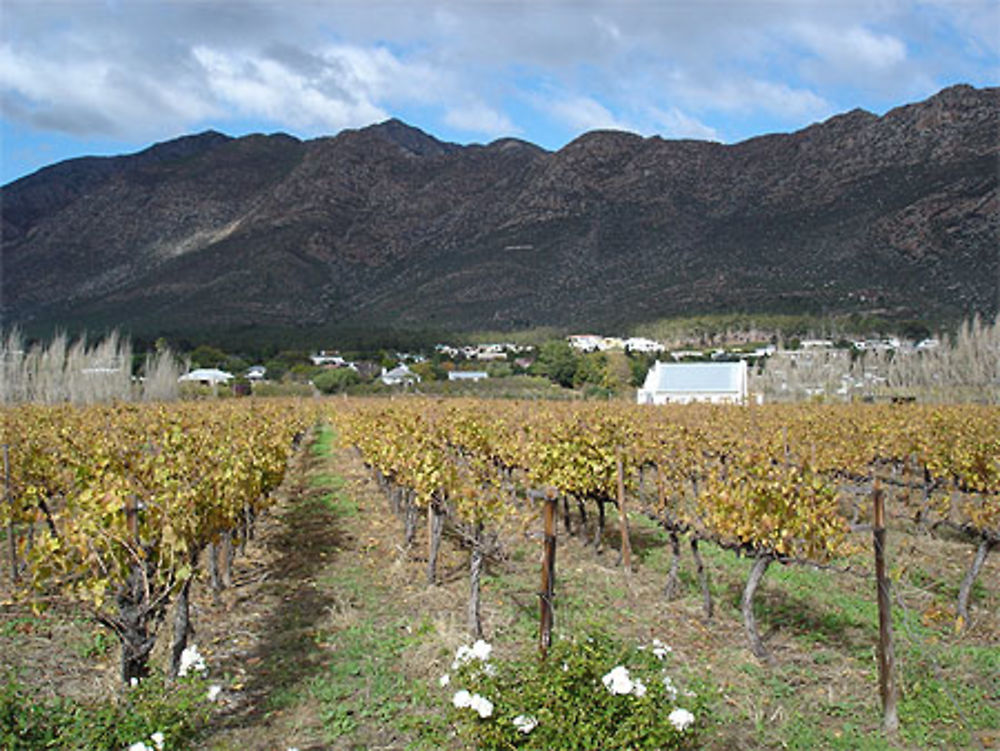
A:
{"x":768,"y":482}
{"x":113,"y":504}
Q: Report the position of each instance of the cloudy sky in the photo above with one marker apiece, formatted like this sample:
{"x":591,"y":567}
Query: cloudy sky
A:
{"x":104,"y":77}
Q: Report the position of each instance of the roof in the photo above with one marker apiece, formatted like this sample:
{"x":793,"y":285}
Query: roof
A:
{"x":206,"y":374}
{"x":702,"y":377}
{"x":399,"y":371}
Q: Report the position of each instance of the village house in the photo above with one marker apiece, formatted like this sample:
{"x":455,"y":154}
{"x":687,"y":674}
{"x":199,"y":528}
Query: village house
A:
{"x":399,"y":376}
{"x":642,"y":344}
{"x":586,"y":342}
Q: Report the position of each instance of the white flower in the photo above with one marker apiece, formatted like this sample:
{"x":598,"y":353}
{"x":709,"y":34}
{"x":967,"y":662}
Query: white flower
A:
{"x":681,"y":718}
{"x":525,"y":723}
{"x":213,"y":692}
{"x":481,"y":650}
{"x":639,"y":689}
{"x":463,"y":655}
{"x":133,"y":681}
{"x":618,"y":681}
{"x":660,"y":649}
{"x":140,"y":746}
{"x":482,"y":705}
{"x":191,"y":659}
{"x":444,"y":680}
{"x":157,"y":739}
{"x":565,"y":667}
{"x":668,"y":684}
{"x":475,"y":702}
{"x":489,"y":668}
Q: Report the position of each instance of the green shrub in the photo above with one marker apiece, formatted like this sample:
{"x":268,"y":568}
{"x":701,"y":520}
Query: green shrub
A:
{"x":177,"y":711}
{"x":335,"y":379}
{"x":592,"y":692}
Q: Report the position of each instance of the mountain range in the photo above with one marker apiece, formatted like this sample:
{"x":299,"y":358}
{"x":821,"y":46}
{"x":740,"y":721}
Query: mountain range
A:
{"x":386,"y":226}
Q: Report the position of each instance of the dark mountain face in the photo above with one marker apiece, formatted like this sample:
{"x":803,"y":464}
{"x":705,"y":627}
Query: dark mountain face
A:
{"x":896,"y":215}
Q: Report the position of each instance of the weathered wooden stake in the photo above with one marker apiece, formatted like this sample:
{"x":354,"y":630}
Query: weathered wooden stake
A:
{"x":435,"y":526}
{"x":476,"y":562}
{"x":11,"y":545}
{"x":706,"y":592}
{"x":228,"y":553}
{"x":548,"y":576}
{"x":623,"y":515}
{"x":886,"y":658}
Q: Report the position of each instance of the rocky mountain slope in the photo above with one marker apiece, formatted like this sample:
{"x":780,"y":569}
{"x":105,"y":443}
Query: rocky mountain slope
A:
{"x":897,"y":215}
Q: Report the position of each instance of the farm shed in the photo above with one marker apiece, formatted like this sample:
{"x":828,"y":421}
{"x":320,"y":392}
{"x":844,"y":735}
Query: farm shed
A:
{"x":683,"y":383}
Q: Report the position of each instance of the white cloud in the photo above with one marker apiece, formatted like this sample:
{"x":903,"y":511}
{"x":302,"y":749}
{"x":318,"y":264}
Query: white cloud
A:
{"x":673,"y":123}
{"x":265,"y":88}
{"x":94,"y":96}
{"x":854,"y":48}
{"x":742,"y":95}
{"x":582,"y":113}
{"x":478,"y":117}
{"x":692,"y":69}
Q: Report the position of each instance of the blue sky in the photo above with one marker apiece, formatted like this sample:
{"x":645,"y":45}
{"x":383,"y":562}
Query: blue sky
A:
{"x":81,"y":77}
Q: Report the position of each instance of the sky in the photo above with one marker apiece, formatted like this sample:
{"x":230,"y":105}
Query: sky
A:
{"x":99,"y":77}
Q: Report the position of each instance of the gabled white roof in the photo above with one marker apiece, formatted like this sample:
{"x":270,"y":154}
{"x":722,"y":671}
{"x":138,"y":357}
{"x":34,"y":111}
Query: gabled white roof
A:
{"x":697,"y":377}
{"x":213,"y":375}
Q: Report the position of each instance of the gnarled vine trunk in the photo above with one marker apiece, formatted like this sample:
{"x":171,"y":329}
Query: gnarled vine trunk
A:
{"x":136,"y":615}
{"x":673,"y":586}
{"x":965,"y":591}
{"x":749,"y":622}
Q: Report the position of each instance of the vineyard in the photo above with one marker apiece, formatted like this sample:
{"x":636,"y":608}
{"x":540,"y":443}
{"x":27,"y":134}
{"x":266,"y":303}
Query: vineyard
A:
{"x":120,"y":509}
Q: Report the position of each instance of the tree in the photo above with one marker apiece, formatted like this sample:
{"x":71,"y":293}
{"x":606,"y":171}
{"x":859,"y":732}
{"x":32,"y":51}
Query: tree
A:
{"x":591,"y":369}
{"x":639,"y":364}
{"x":557,"y":361}
{"x":206,"y":356}
{"x":335,"y":379}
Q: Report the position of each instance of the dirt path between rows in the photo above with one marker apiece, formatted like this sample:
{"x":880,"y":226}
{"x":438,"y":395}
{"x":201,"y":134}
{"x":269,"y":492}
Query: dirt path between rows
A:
{"x":312,"y":645}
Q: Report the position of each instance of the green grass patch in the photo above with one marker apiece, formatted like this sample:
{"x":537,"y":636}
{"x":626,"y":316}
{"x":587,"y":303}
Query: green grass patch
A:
{"x":29,"y":721}
{"x":324,"y":441}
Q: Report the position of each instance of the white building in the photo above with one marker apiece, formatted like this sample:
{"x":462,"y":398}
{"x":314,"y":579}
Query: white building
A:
{"x":468,"y":375}
{"x":683,"y":383}
{"x":399,"y":375}
{"x":641,"y":344}
{"x":206,"y":376}
{"x":328,"y":358}
{"x":586,"y":342}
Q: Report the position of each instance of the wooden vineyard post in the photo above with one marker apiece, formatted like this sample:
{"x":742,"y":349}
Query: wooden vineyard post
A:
{"x":11,"y":547}
{"x":623,"y":515}
{"x":886,"y":658}
{"x":548,"y":575}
